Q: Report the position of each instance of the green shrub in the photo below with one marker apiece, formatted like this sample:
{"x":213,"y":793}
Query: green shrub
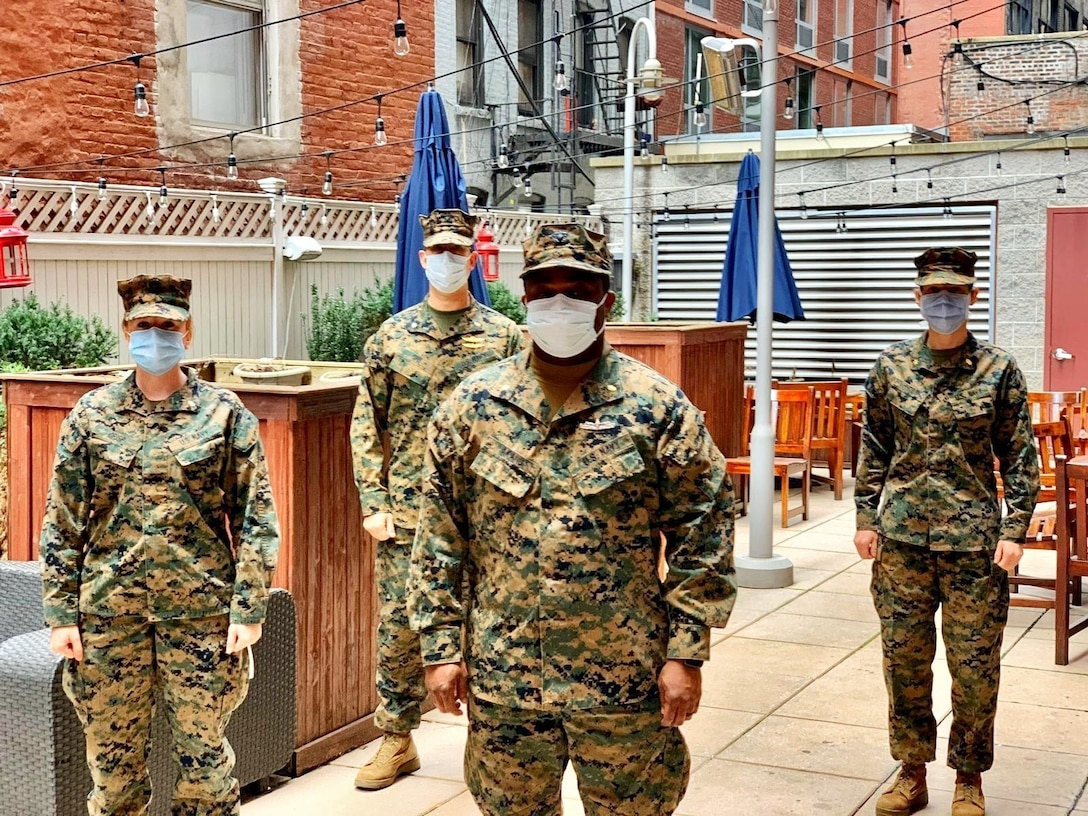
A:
{"x":339,"y":327}
{"x":506,"y":302}
{"x":38,"y":338}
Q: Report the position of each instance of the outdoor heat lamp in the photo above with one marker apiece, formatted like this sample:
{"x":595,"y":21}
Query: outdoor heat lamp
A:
{"x":725,"y":72}
{"x":14,"y":264}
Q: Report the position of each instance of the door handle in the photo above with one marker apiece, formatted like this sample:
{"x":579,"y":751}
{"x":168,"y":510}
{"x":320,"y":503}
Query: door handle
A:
{"x":1061,"y":354}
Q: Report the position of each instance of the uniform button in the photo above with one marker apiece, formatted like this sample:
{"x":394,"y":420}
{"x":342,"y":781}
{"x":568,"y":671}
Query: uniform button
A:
{"x":610,"y":388}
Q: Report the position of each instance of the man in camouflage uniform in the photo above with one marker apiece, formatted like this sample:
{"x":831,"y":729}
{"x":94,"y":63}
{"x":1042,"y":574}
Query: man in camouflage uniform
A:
{"x":939,"y":409}
{"x":412,"y":362}
{"x":552,"y":481}
{"x":157,"y":549}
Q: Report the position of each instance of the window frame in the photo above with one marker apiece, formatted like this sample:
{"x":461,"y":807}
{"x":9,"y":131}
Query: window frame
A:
{"x":693,"y":47}
{"x":474,"y":98}
{"x":805,"y":82}
{"x":809,"y":25}
{"x":884,"y":36}
{"x":1019,"y":19}
{"x":751,"y":20}
{"x":844,"y":35}
{"x":259,"y":56}
{"x":704,"y":8}
{"x":531,"y":58}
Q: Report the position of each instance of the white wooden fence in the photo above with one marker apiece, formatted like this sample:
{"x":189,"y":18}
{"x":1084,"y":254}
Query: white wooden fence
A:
{"x":82,"y":243}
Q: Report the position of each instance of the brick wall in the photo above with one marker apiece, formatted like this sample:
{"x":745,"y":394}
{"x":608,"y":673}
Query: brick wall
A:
{"x":1016,"y":69}
{"x":344,"y":55}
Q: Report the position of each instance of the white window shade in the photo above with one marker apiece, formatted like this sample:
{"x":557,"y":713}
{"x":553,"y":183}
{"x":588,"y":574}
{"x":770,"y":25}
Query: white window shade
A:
{"x":226,"y":75}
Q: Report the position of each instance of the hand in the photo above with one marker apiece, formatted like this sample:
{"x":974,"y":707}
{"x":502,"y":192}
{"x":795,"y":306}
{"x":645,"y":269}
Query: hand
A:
{"x":379,"y":526}
{"x":1008,"y":555}
{"x":865,"y":542}
{"x":241,"y":635}
{"x":65,"y":641}
{"x":448,"y":682}
{"x":681,"y":688}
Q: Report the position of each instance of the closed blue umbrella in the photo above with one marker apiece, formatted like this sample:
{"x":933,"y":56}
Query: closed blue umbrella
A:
{"x":737,"y":297}
{"x":436,"y":183}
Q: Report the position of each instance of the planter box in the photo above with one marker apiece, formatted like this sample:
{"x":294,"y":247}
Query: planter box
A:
{"x":326,"y":560}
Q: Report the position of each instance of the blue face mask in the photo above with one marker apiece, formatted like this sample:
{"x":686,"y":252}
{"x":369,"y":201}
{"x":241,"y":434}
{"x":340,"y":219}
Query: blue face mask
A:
{"x":945,"y":312}
{"x":156,"y":351}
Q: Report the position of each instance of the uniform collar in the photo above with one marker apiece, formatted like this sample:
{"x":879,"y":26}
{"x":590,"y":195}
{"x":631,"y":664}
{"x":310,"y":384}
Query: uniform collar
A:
{"x":422,"y":322}
{"x":966,"y":359}
{"x":184,"y":399}
{"x":602,"y":385}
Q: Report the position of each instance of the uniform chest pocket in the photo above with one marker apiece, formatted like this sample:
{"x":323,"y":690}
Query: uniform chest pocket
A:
{"x":972,"y":412}
{"x":109,"y":456}
{"x":200,"y":459}
{"x":508,"y":471}
{"x":607,"y":465}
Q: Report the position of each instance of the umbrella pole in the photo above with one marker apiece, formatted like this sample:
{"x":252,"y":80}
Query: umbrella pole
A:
{"x":761,"y":568}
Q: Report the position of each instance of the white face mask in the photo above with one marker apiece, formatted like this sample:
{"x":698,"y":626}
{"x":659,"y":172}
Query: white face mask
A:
{"x":945,"y":312}
{"x":447,"y":272}
{"x":561,"y":326}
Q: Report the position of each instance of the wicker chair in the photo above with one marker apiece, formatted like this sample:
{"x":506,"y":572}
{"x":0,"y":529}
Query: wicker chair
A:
{"x":41,"y":742}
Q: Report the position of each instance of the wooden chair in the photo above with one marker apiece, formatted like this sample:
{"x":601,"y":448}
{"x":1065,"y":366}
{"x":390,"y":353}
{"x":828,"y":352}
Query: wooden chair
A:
{"x":792,"y":447}
{"x":1052,"y":440}
{"x":1049,"y":406}
{"x":828,"y":424}
{"x":1077,"y":416}
{"x":1071,"y":483}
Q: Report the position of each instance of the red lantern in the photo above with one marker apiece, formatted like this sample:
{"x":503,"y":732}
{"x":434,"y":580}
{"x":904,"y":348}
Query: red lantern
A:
{"x":14,"y":265}
{"x":488,"y":251}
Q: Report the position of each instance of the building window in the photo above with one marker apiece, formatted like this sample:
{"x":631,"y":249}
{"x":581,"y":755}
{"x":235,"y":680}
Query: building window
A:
{"x":1054,"y":17}
{"x":752,"y":22}
{"x":749,"y":67}
{"x":806,"y":26}
{"x":701,"y":7}
{"x":1019,"y":19}
{"x":531,"y":53}
{"x":693,"y":48}
{"x":227,"y":77}
{"x":805,"y":82}
{"x":469,"y":70}
{"x":1071,"y":21}
{"x":884,"y":24}
{"x":844,"y":33}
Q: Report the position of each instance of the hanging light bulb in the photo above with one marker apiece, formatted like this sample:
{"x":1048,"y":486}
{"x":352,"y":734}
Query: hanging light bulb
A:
{"x":102,"y":188}
{"x":163,"y":192}
{"x":1029,"y":126}
{"x":665,"y":212}
{"x":998,"y":167}
{"x":528,"y":188}
{"x":788,"y":112}
{"x":73,"y":202}
{"x":700,"y":114}
{"x":562,"y":84}
{"x":13,"y":196}
{"x":664,"y":163}
{"x":326,"y":186}
{"x":517,"y":176}
{"x":644,"y":151}
{"x":379,"y":127}
{"x":140,"y":107}
{"x":324,"y":219}
{"x":373,"y":218}
{"x":400,"y":35}
{"x":947,"y":209}
{"x":396,"y":199}
{"x":803,"y":208}
{"x":232,"y":161}
{"x":895,"y":185}
{"x":819,"y":127}
{"x":1065,"y":149}
{"x":908,"y":59}
{"x":149,"y":208}
{"x":528,"y":227}
{"x":504,"y":157}
{"x":1061,"y":185}
{"x":304,"y":212}
{"x":929,"y":179}
{"x":980,"y":86}
{"x":216,"y":216}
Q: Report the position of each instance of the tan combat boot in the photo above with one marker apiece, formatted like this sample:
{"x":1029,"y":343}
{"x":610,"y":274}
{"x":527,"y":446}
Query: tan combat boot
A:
{"x":396,"y":756}
{"x":907,"y":794}
{"x":968,"y":799}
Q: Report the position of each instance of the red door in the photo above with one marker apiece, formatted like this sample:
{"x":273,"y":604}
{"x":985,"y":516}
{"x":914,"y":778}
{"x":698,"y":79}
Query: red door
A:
{"x":1066,"y":299}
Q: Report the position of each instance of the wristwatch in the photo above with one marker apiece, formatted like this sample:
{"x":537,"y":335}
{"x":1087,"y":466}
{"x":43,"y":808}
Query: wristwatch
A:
{"x":692,"y":663}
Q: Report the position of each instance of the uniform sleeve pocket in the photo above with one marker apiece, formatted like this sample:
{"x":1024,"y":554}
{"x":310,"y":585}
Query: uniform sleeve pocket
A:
{"x":608,"y":465}
{"x":505,"y":469}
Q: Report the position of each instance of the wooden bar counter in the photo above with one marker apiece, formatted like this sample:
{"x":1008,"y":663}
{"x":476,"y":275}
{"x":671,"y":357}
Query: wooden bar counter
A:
{"x":326,"y":560}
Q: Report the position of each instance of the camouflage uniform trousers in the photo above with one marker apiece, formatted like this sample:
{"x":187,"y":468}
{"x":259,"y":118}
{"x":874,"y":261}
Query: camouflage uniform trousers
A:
{"x":400,"y":680}
{"x":908,"y":585}
{"x":625,"y":760}
{"x":112,"y":689}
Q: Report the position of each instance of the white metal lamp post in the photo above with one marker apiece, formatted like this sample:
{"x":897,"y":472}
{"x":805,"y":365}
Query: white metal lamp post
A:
{"x":651,"y":78}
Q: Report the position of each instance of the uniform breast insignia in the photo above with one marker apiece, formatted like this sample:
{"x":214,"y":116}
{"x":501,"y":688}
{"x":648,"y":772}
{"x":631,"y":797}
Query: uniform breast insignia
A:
{"x":472,"y":341}
{"x":593,"y":425}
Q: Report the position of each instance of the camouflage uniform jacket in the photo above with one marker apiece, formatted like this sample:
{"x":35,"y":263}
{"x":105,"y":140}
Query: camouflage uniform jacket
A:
{"x":926,"y":467}
{"x":411,"y":366}
{"x":145,"y":502}
{"x":557,"y":528}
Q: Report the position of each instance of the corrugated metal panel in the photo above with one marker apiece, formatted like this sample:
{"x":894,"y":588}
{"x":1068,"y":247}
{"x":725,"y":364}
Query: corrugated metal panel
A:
{"x":856,"y":287}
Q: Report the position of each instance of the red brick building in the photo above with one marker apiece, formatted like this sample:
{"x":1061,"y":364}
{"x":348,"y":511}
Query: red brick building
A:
{"x":266,"y":85}
{"x":837,"y":55}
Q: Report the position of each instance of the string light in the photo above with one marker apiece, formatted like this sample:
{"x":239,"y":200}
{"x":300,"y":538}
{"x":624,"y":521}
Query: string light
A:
{"x":665,"y":213}
{"x":400,"y":35}
{"x":324,"y":219}
{"x":929,"y":179}
{"x":304,"y":212}
{"x":644,"y":139}
{"x":101,"y":188}
{"x":947,"y":209}
{"x":840,"y":226}
{"x":980,"y":86}
{"x":1029,"y":125}
{"x":516,"y":175}
{"x":527,"y":190}
{"x":326,"y":186}
{"x":380,"y":138}
{"x":895,"y":185}
{"x":528,"y":226}
{"x":163,"y":192}
{"x":787,"y":113}
{"x":998,"y":167}
{"x":700,"y":120}
{"x":1061,"y":185}
{"x":216,"y":216}
{"x":232,"y":160}
{"x":957,"y":46}
{"x":73,"y":202}
{"x":1065,"y":149}
{"x":908,"y":60}
{"x":139,"y":91}
{"x":687,"y":217}
{"x":504,"y":157}
{"x":373,"y":218}
{"x":149,"y":208}
{"x":562,"y":84}
{"x":664,"y":163}
{"x":891,"y":158}
{"x":802,"y":207}
{"x":819,"y":126}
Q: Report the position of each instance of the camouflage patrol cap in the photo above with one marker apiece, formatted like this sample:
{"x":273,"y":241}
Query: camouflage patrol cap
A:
{"x":455,"y":227}
{"x":953,"y":265}
{"x":570,"y":246}
{"x":155,"y":296}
